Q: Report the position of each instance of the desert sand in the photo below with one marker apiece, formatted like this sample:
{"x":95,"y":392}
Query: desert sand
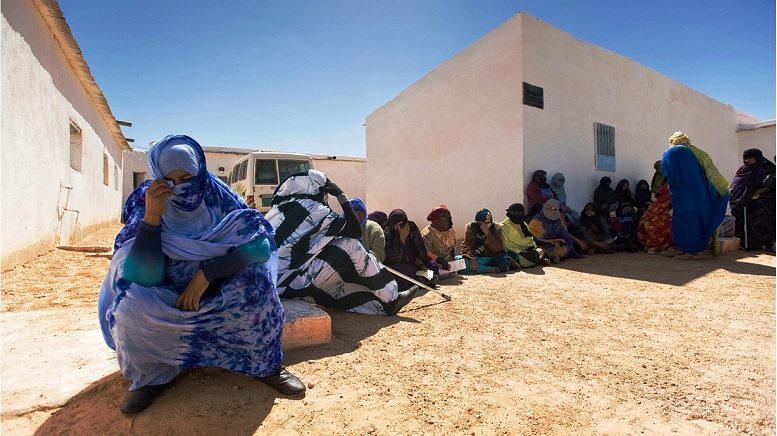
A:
{"x":627,"y":343}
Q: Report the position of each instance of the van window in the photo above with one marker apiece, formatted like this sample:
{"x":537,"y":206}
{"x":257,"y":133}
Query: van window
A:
{"x":243,"y":170}
{"x":288,"y":167}
{"x":264,"y":172}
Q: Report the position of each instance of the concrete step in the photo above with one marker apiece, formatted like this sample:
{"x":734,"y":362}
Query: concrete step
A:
{"x":728,"y":244}
{"x":305,"y":325}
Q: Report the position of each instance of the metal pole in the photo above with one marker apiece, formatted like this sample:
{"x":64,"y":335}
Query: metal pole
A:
{"x":414,"y":281}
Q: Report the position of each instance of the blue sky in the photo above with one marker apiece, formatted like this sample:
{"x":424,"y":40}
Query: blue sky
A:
{"x":298,"y":75}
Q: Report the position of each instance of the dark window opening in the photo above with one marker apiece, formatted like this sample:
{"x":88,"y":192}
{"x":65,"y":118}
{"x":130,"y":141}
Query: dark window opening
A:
{"x":533,"y":96}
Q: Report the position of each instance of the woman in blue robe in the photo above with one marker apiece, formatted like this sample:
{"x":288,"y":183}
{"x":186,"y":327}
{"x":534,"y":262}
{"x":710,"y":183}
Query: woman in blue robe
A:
{"x":699,"y":195}
{"x":192,"y":281}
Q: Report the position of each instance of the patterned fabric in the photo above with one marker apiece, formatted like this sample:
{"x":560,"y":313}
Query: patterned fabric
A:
{"x":314,"y":262}
{"x":439,"y":243}
{"x":655,"y":227}
{"x":545,"y":228}
{"x":699,"y":195}
{"x":238,"y":328}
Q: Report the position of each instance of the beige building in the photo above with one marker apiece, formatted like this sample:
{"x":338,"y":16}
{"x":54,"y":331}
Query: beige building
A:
{"x":61,"y":145}
{"x":528,"y":96}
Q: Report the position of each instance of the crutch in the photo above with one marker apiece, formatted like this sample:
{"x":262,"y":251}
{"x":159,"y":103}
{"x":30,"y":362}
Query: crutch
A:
{"x":414,"y":281}
{"x":745,"y":218}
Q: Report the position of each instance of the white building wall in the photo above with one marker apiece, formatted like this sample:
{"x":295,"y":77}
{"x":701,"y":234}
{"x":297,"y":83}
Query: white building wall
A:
{"x":348,"y":173}
{"x":584,"y":84}
{"x":758,"y":135}
{"x":453,"y":137}
{"x":462,"y":136}
{"x":41,"y":94}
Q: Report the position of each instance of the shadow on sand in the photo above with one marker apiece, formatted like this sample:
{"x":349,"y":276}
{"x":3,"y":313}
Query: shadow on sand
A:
{"x":203,"y":399}
{"x":657,"y":268}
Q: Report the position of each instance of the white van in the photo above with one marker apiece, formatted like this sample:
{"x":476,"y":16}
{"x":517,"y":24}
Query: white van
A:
{"x":256,"y":175}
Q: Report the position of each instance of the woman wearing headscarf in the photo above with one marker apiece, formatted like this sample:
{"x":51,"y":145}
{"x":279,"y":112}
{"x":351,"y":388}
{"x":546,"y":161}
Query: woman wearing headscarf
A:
{"x":372,"y":238}
{"x":642,"y":198}
{"x":623,"y":192}
{"x":699,"y":194}
{"x":642,"y":194}
{"x":518,"y":241}
{"x":192,"y":281}
{"x":551,"y":233}
{"x":596,"y":232}
{"x":482,"y":247}
{"x":379,"y":217}
{"x":538,"y":191}
{"x":654,"y":231}
{"x":557,"y":185}
{"x":657,"y":180}
{"x":752,"y":191}
{"x":440,"y":238}
{"x":604,"y":196}
{"x":320,"y":255}
{"x":406,"y":251}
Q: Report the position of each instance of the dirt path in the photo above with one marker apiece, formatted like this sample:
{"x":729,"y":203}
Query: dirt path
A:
{"x":610,"y":344}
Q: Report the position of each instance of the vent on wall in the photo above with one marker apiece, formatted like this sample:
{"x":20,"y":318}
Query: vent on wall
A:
{"x":533,"y":96}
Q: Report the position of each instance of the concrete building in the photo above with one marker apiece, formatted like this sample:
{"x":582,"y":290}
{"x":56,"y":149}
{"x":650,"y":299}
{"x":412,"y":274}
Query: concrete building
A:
{"x":757,"y":135}
{"x":61,"y":145}
{"x":528,"y":96}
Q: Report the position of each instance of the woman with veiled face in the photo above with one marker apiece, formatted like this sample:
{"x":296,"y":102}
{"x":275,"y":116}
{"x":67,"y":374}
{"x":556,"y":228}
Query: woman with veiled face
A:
{"x":191,"y":282}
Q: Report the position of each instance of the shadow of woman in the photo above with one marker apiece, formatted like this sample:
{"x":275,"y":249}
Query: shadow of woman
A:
{"x":198,"y":401}
{"x":202,"y":400}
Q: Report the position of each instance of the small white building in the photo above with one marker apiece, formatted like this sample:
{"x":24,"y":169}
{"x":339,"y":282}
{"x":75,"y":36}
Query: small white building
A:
{"x":528,"y":96}
{"x":61,"y":145}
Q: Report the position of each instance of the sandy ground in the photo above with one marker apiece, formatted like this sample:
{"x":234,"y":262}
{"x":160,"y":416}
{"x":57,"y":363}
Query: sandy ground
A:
{"x":611,"y":344}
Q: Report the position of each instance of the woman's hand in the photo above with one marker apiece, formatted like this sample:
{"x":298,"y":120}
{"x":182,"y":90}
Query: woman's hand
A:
{"x":485,"y":227}
{"x":404,"y":231}
{"x":473,"y":264}
{"x":190,"y":298}
{"x":156,"y":200}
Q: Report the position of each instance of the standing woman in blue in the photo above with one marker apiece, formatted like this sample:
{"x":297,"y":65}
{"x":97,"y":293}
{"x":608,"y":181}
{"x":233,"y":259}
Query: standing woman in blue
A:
{"x":699,"y":194}
{"x":192,"y":281}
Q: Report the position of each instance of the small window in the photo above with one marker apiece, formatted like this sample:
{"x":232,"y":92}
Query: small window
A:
{"x":533,"y":96}
{"x":116,"y":177}
{"x":604,"y":137}
{"x":264,"y":172}
{"x":105,"y":170}
{"x":76,"y":147}
{"x":243,"y":170}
